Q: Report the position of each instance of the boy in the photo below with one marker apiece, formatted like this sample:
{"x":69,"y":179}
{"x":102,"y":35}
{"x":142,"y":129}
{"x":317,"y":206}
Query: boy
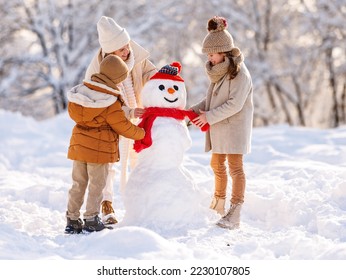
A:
{"x":96,"y":107}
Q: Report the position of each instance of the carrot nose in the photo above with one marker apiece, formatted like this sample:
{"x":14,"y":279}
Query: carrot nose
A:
{"x":171,"y":90}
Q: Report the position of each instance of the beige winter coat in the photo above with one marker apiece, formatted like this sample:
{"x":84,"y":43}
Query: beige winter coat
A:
{"x":229,"y":106}
{"x":142,"y":70}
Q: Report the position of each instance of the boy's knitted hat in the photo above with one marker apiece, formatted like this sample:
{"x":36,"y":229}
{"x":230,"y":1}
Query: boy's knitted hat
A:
{"x":112,"y":36}
{"x":113,"y":70}
{"x":218,"y":39}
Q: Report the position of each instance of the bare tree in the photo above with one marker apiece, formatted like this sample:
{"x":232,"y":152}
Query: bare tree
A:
{"x":50,"y":40}
{"x":293,"y":49}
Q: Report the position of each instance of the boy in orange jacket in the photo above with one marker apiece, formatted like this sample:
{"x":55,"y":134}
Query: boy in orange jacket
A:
{"x":96,"y":107}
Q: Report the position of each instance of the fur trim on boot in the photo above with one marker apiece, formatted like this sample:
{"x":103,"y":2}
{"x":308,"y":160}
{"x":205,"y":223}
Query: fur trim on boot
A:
{"x":108,"y":215}
{"x":218,"y":204}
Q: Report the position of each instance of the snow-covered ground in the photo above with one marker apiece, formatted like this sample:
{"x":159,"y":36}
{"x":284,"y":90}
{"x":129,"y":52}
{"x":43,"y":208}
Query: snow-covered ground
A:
{"x":295,"y":206}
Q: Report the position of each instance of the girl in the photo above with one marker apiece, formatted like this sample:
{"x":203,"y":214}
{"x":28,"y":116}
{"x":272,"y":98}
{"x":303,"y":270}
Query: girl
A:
{"x":228,"y":108}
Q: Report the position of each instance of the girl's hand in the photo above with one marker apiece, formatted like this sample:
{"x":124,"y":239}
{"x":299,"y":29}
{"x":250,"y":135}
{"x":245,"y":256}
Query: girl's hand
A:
{"x":201,"y":119}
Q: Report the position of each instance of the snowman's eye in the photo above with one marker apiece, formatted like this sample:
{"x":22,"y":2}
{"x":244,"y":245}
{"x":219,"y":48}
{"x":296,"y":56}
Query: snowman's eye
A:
{"x":161,"y":87}
{"x":175,"y":87}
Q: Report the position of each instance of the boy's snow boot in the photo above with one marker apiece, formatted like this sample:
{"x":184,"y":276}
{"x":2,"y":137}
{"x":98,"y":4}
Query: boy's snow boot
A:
{"x":93,"y":224}
{"x":108,"y":216}
{"x":218,"y":204}
{"x":232,"y":219}
{"x":73,"y":226}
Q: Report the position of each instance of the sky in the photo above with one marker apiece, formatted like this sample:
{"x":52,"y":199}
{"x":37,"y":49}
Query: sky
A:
{"x":294,"y":210}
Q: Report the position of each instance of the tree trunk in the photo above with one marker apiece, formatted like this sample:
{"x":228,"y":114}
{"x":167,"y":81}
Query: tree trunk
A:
{"x":284,"y":105}
{"x":300,"y":102}
{"x":343,"y":105}
{"x":335,"y":122}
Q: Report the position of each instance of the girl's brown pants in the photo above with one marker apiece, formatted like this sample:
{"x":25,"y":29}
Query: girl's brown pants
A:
{"x":235,"y":169}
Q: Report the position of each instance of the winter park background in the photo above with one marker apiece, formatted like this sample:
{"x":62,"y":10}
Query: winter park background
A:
{"x":295,"y":205}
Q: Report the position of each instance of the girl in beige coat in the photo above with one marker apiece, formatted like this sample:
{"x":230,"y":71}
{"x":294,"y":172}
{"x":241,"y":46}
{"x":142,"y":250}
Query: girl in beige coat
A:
{"x":114,"y":39}
{"x":228,"y":108}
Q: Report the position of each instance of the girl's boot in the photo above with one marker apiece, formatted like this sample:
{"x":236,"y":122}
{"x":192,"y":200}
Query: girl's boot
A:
{"x":218,"y":204}
{"x":232,"y":219}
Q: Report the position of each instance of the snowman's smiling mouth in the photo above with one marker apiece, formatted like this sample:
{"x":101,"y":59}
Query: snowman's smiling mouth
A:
{"x":171,"y":101}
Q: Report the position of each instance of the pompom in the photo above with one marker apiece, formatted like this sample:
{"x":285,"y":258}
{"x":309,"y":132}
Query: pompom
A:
{"x":235,"y":52}
{"x":177,"y":65}
{"x":217,"y":24}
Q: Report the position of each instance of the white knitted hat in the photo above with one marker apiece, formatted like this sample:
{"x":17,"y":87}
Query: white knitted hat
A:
{"x":112,"y":36}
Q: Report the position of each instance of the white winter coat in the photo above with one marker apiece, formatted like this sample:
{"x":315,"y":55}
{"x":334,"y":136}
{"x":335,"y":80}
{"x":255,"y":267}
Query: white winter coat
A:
{"x":142,"y":70}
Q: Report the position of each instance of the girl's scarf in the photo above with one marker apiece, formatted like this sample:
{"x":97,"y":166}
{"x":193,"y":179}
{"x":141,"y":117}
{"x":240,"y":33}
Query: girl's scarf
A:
{"x":216,"y":72}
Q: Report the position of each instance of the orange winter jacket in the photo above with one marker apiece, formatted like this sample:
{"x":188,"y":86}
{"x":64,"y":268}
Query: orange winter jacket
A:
{"x":96,"y":109}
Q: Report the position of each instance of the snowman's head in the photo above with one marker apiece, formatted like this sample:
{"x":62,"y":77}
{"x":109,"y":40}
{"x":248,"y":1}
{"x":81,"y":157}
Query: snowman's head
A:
{"x":166,"y":89}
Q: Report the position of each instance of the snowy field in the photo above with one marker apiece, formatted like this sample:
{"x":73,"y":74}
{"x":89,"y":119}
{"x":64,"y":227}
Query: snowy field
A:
{"x":295,"y":205}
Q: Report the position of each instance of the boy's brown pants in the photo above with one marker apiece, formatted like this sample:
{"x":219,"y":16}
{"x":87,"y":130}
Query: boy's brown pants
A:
{"x":86,"y":175}
{"x":235,"y":168}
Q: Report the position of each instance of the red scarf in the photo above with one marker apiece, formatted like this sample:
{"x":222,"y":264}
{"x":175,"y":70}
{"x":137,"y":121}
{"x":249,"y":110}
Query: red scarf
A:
{"x":148,"y":118}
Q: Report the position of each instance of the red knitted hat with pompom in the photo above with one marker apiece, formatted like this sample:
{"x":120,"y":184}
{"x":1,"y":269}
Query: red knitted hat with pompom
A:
{"x":169,"y":72}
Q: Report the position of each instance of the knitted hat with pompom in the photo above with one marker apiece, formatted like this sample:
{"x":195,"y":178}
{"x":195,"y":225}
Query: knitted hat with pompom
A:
{"x":218,"y":39}
{"x":169,"y":72}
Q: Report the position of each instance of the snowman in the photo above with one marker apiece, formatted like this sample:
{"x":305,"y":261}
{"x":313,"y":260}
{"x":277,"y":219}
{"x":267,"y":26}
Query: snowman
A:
{"x":160,"y":193}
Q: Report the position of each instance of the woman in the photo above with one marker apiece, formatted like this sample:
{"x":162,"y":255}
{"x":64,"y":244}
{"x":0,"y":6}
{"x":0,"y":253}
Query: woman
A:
{"x":228,"y":108}
{"x":114,"y":39}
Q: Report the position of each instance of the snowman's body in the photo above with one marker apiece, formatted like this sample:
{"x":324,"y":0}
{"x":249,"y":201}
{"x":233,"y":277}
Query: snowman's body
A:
{"x":171,"y":139}
{"x":160,"y":193}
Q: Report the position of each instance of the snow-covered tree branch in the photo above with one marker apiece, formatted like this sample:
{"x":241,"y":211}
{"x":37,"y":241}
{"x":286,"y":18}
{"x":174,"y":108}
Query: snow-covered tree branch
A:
{"x":294,"y":49}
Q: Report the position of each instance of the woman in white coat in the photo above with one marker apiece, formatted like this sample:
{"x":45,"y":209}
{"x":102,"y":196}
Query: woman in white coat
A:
{"x":114,"y":39}
{"x":228,"y":108}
